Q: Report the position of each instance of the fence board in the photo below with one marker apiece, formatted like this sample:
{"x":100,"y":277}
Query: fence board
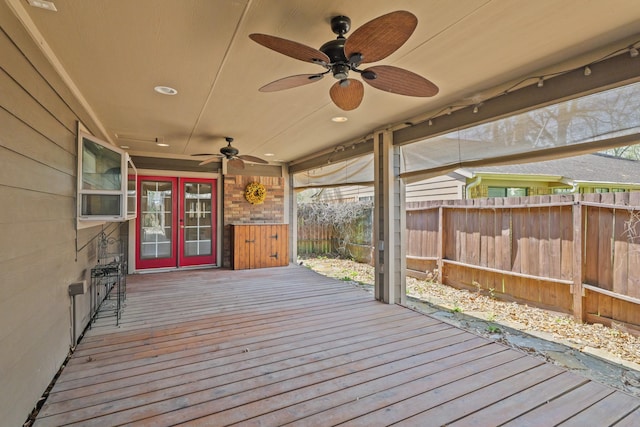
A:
{"x":461,"y":241}
{"x":566,"y":243}
{"x":433,"y":228}
{"x":590,"y":260}
{"x":483,"y":231}
{"x":473,"y":236}
{"x":605,"y":249}
{"x":533,"y":240}
{"x":555,"y":239}
{"x":621,"y":252}
{"x":505,"y":240}
{"x":517,"y":243}
{"x":633,"y":284}
{"x":544,"y":242}
{"x":449,"y":230}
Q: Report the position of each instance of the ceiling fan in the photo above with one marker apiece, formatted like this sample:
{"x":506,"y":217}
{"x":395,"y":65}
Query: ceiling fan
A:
{"x":372,"y":42}
{"x":232,"y":155}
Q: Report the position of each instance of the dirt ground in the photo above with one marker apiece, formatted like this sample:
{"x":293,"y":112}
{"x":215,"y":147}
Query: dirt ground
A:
{"x":606,"y":342}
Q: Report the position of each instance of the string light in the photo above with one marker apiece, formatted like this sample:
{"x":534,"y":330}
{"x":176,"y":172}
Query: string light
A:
{"x":631,"y":49}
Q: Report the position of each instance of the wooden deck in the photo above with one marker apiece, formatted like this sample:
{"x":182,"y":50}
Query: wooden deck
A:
{"x":288,"y":346}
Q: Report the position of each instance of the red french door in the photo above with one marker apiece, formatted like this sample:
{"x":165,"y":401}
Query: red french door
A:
{"x":176,"y":224}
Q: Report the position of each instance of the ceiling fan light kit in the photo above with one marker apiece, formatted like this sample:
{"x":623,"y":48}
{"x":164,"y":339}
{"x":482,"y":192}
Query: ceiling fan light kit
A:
{"x":372,"y":42}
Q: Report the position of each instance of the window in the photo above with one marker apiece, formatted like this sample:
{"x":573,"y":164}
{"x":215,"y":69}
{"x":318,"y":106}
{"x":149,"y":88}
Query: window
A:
{"x":600,"y":190}
{"x":560,"y":190}
{"x":507,"y":191}
{"x":104,"y":193}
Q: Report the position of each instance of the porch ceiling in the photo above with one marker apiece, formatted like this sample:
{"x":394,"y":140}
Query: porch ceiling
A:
{"x":116,"y":51}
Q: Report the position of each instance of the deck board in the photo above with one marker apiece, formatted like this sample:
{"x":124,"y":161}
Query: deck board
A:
{"x":287,"y":346}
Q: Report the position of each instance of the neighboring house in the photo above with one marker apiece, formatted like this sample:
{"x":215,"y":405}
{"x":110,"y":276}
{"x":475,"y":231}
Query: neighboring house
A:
{"x":588,"y":173}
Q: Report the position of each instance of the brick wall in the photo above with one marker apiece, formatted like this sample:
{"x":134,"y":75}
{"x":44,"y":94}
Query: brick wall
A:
{"x":236,"y":209}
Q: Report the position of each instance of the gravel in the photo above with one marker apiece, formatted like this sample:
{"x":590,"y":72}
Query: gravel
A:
{"x":610,"y":343}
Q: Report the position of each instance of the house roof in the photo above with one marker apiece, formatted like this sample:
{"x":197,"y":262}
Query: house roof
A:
{"x":595,"y":167}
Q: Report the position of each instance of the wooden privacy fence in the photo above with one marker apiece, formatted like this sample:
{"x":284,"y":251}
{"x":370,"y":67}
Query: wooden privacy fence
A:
{"x":350,"y":238}
{"x":314,"y":238}
{"x":577,"y":254}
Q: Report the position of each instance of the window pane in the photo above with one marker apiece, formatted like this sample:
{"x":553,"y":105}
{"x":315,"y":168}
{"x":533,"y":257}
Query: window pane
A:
{"x":100,"y":204}
{"x":100,"y":167}
{"x":516,"y":192}
{"x":497,"y":192}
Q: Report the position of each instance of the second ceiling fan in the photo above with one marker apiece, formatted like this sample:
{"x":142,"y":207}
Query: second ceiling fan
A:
{"x":232,"y":154}
{"x":372,"y":42}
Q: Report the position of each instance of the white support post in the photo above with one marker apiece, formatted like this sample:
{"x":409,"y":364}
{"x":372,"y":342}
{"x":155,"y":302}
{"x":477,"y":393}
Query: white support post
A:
{"x":389,"y":222}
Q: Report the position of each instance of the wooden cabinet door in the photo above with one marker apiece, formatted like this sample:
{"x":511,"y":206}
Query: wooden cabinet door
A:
{"x":241,"y":236}
{"x":260,"y":246}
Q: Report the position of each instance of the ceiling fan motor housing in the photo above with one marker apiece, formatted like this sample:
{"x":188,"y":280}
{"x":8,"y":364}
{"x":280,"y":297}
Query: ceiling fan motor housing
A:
{"x":334,"y":49}
{"x":229,"y":151}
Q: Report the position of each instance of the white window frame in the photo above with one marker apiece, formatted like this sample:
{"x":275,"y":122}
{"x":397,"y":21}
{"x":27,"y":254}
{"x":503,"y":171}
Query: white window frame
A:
{"x":127,"y":172}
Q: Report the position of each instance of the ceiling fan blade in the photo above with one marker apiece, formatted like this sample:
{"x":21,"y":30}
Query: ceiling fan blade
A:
{"x":209,"y":160}
{"x":382,"y":36}
{"x":253,"y":159}
{"x":347,"y":96}
{"x":290,"y":48}
{"x":291,"y":82}
{"x":236,"y":163}
{"x":400,"y":81}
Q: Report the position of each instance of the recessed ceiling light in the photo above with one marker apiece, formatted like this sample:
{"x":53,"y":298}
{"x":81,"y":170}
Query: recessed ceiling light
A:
{"x":162,"y":144}
{"x":269,"y":154}
{"x":43,"y":4}
{"x":165,"y":90}
{"x":339,"y":119}
{"x":124,"y":146}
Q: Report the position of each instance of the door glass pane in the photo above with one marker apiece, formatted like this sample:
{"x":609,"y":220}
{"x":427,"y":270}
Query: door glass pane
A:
{"x":197,"y":219}
{"x":156,"y":222}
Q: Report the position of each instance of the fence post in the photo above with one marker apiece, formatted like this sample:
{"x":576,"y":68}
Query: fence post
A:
{"x":440,"y":243}
{"x":576,"y":289}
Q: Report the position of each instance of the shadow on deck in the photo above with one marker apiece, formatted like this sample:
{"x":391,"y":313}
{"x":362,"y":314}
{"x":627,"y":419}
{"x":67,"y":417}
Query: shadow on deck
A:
{"x":286,"y":345}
